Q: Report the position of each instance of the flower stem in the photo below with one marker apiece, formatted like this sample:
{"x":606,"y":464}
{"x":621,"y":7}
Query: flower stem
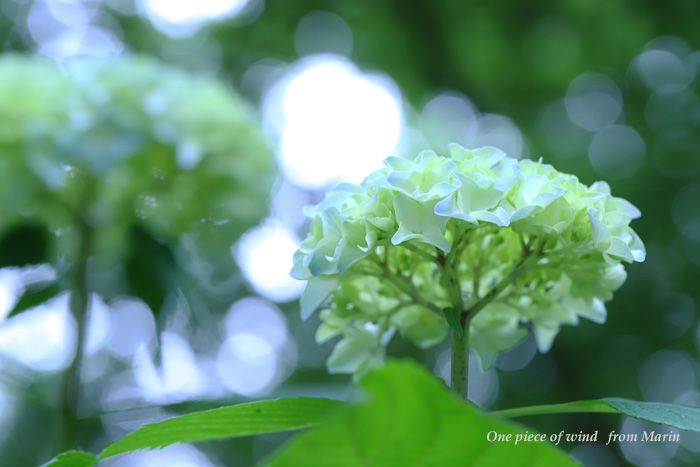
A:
{"x":79,"y":305}
{"x":459,"y":380}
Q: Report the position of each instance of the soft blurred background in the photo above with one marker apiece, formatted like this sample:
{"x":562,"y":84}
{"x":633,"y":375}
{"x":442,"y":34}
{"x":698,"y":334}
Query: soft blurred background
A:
{"x":603,"y":89}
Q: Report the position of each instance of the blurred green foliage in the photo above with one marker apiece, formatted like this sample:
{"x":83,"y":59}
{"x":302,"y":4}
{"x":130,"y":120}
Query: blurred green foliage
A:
{"x":139,"y":153}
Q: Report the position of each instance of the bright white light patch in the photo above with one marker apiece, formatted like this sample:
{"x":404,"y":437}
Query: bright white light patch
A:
{"x":258,"y":317}
{"x":178,"y":455}
{"x":247,"y":364}
{"x":63,"y":29}
{"x":265,"y":256}
{"x":14,"y":281}
{"x":334,"y":122}
{"x":42,"y":338}
{"x":176,"y":379}
{"x":133,"y":326}
{"x":185,"y":17}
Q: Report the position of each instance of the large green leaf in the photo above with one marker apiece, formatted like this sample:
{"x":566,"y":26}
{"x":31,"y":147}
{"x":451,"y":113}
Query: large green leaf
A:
{"x":226,"y":422}
{"x":680,"y":416}
{"x":410,"y":418}
{"x":73,"y":459}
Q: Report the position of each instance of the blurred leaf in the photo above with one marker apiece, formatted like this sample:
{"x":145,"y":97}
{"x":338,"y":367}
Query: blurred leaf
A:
{"x":150,"y":269}
{"x":35,"y":295}
{"x":226,"y":422}
{"x":24,"y":245}
{"x":678,"y":416}
{"x":73,"y":459}
{"x":412,"y":419}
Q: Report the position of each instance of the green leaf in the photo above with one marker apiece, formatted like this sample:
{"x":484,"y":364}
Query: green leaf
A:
{"x":226,"y":422}
{"x":679,"y":416}
{"x":452,"y":317}
{"x":675,"y":415}
{"x":35,"y":295}
{"x":73,"y":459}
{"x":410,"y":418}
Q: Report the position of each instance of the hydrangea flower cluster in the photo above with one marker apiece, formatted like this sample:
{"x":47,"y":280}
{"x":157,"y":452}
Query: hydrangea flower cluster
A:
{"x":505,"y":244}
{"x":126,"y":142}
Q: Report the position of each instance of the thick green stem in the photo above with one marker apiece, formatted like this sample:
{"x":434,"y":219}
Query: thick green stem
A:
{"x":459,"y":377}
{"x":460,"y":343}
{"x":79,"y":305}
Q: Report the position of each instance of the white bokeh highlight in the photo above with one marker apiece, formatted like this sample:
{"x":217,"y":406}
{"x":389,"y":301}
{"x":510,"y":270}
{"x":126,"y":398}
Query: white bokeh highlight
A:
{"x":181,"y":18}
{"x":63,"y":29}
{"x":178,"y":455}
{"x":257,"y":352}
{"x":333,"y":121}
{"x":450,"y":117}
{"x":132,"y":327}
{"x":593,"y":101}
{"x":617,"y":152}
{"x":177,"y":378}
{"x":41,"y":338}
{"x":265,"y":255}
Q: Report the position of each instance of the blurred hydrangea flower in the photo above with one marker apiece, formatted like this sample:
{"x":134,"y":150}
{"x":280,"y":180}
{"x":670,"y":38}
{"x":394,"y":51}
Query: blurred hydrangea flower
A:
{"x":510,"y":243}
{"x":125,"y":142}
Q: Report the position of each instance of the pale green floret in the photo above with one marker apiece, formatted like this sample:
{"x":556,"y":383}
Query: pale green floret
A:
{"x":510,"y":244}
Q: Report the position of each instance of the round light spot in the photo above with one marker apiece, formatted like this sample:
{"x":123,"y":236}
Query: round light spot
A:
{"x":255,"y":316}
{"x":449,"y":118}
{"x":616,"y":152}
{"x":685,"y":213}
{"x":664,"y":366}
{"x":133,"y":326}
{"x":185,"y":17}
{"x":646,"y":454}
{"x":323,"y":32}
{"x":265,"y":255}
{"x":333,"y":121}
{"x":593,"y":101}
{"x":500,"y":132}
{"x":42,"y":338}
{"x":663,"y":71}
{"x":247,"y":364}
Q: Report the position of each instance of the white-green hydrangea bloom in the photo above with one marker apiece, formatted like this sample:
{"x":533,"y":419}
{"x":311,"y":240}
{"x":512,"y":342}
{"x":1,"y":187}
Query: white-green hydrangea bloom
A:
{"x":127,"y":142}
{"x":510,"y":244}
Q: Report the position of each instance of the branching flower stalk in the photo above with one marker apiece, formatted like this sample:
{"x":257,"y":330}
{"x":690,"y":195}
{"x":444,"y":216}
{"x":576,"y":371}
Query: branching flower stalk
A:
{"x":475,"y":244}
